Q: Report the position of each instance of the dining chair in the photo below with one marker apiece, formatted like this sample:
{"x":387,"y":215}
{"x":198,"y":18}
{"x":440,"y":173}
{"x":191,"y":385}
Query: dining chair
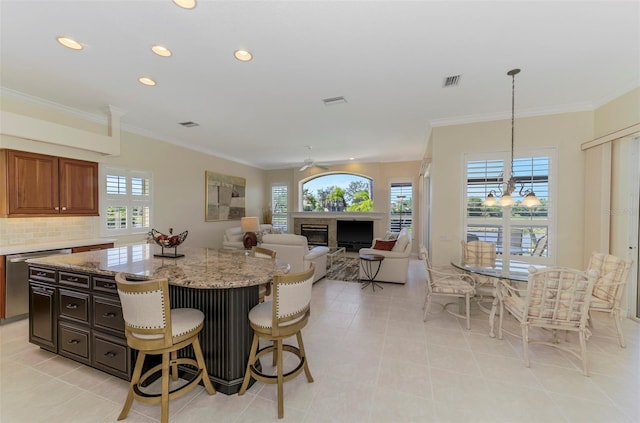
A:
{"x":607,"y":292}
{"x":274,"y":321}
{"x":479,"y":253}
{"x":448,"y":284}
{"x":152,"y":328}
{"x":264,"y":290}
{"x":556,"y":299}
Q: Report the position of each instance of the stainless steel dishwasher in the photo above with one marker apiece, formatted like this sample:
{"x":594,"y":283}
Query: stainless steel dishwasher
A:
{"x":17,"y":278}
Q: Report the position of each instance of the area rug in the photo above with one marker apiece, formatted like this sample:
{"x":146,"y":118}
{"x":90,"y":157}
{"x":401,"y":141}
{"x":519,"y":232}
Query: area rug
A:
{"x":344,"y":269}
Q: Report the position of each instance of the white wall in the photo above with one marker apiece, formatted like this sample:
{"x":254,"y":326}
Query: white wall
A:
{"x":178,"y":176}
{"x":564,"y":132}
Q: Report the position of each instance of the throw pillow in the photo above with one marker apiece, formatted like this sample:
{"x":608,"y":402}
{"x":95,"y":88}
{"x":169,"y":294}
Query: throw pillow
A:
{"x":391,"y":236}
{"x":401,"y":243}
{"x":383,"y":245}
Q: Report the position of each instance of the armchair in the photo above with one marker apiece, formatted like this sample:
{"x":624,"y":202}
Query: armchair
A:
{"x":608,"y":289}
{"x":556,"y":299}
{"x":396,"y":262}
{"x":294,"y":250}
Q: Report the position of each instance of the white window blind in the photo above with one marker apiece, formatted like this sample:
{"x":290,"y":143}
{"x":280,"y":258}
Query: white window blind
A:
{"x":521,"y":234}
{"x":126,"y":201}
{"x":280,"y":206}
{"x":401,"y":206}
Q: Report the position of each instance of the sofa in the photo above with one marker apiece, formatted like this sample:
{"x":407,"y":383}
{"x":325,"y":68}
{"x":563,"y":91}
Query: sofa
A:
{"x":294,"y":250}
{"x":233,"y":236}
{"x":395,"y":265}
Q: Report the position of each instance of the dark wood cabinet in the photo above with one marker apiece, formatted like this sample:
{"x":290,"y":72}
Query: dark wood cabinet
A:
{"x":79,"y":316}
{"x":41,"y":185}
{"x":43,"y":322}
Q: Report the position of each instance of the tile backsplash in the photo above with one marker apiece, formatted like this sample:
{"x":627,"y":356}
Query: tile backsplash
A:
{"x":37,"y":230}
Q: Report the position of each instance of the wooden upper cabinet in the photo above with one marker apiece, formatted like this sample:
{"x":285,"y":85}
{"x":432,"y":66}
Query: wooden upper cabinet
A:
{"x":78,"y":187}
{"x":42,"y":185}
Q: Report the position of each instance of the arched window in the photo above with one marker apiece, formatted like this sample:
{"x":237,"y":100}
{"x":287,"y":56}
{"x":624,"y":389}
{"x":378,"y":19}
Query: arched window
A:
{"x":338,"y":192}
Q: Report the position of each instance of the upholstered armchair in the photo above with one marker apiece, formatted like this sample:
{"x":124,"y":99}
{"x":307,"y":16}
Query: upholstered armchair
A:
{"x":395,"y":265}
{"x":293,"y":249}
{"x":233,"y":236}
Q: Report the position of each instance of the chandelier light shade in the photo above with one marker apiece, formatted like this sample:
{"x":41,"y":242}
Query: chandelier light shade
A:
{"x":506,"y":199}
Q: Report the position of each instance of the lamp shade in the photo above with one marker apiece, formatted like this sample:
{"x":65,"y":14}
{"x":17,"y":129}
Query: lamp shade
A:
{"x":530,"y":200}
{"x":506,"y":200}
{"x":490,"y":201}
{"x":249,"y":224}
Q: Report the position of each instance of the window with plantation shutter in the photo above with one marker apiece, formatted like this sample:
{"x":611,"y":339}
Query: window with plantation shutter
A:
{"x":280,"y":207}
{"x":523,"y":235}
{"x":400,"y":208}
{"x":126,"y":201}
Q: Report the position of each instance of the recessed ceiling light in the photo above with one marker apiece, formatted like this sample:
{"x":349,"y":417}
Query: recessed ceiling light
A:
{"x":147,"y":81}
{"x":185,"y":4}
{"x":70,"y":43}
{"x":161,"y":50}
{"x":243,"y":55}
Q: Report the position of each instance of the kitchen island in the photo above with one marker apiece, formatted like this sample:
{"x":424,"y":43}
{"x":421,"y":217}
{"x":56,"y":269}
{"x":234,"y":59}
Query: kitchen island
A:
{"x":84,"y":306}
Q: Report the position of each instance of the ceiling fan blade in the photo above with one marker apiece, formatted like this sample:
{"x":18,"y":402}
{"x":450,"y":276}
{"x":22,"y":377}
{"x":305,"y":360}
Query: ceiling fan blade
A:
{"x":303,"y":168}
{"x":322,"y":167}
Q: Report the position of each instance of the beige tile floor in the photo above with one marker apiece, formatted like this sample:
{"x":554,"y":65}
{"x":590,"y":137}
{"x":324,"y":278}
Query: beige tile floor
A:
{"x":373,"y":360}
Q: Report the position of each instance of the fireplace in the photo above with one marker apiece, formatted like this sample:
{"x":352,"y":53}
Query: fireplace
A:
{"x":316,"y":234}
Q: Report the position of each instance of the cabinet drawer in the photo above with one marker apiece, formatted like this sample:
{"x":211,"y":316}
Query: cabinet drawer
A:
{"x":105,"y":284}
{"x":74,"y":305}
{"x":73,"y":279}
{"x":107,"y":314}
{"x":111,"y":355}
{"x":43,"y":275}
{"x":73,"y":342}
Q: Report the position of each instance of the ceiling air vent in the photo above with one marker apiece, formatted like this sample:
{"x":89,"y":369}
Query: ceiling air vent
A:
{"x":189,"y":124}
{"x":451,"y":81}
{"x":334,"y":100}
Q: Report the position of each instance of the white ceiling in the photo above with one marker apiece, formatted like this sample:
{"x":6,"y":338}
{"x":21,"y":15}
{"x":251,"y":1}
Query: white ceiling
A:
{"x":387,"y":58}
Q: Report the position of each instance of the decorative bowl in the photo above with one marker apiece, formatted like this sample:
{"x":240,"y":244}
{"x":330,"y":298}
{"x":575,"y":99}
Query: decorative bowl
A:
{"x":169,"y":241}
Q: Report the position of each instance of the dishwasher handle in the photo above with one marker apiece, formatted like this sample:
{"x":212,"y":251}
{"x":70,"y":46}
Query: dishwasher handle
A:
{"x":19,"y":258}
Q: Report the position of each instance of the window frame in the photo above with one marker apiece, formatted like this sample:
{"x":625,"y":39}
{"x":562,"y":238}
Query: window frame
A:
{"x":506,"y":222}
{"x":280,"y":216}
{"x":393,"y":200}
{"x":127,"y":200}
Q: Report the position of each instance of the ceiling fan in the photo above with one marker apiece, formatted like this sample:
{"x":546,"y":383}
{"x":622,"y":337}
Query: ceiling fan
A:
{"x":309,"y":162}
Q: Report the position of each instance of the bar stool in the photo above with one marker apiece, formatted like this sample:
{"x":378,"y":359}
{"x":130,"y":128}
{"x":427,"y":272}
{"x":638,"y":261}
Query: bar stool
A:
{"x":284,"y":316}
{"x":264,"y":290}
{"x":152,"y":328}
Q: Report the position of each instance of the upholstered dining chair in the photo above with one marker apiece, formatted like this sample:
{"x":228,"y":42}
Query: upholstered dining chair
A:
{"x":449,"y":284}
{"x":282,"y":317}
{"x":556,"y":299}
{"x":152,"y":328}
{"x":607,"y":292}
{"x":264,"y":290}
{"x":479,"y":253}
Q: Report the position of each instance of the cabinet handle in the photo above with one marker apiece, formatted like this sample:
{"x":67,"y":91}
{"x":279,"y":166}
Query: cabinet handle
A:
{"x":109,"y":315}
{"x":72,"y":306}
{"x":73,"y":341}
{"x":109,"y":285}
{"x":41,"y":274}
{"x":110,"y":354}
{"x":72,"y":279}
{"x":41,"y":289}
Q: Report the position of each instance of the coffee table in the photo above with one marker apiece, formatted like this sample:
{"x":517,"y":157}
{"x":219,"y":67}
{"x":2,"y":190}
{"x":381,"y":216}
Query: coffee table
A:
{"x":367,"y":262}
{"x":333,"y":252}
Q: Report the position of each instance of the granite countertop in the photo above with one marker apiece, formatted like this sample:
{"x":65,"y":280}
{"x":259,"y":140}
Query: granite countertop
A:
{"x":202,"y":268}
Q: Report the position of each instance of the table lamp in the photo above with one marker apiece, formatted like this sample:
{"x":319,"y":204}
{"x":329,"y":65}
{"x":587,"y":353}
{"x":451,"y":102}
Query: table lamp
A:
{"x":249,"y":226}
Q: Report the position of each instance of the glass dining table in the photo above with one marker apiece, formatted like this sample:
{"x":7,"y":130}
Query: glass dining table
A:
{"x":489,"y":277}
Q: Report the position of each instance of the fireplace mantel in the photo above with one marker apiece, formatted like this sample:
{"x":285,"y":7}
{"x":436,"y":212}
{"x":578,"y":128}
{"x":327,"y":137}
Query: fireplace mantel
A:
{"x":337,"y":215}
{"x":331,"y":218}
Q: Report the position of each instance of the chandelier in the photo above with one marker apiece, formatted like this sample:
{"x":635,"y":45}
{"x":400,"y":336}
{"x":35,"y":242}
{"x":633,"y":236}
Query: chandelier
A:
{"x":530,"y":199}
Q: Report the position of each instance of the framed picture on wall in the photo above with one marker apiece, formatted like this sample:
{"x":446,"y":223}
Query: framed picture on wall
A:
{"x":224,"y":197}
